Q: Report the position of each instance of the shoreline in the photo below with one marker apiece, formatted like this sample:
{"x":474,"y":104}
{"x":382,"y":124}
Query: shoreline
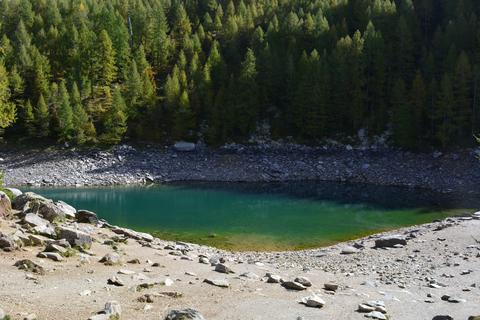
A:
{"x":125,"y":165}
{"x":427,"y":263}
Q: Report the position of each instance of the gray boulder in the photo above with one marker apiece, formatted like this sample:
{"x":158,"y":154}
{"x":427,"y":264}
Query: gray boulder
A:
{"x":220,"y":267}
{"x":133,"y":234}
{"x":5,"y":205}
{"x":222,"y":283}
{"x":20,"y":201}
{"x":50,"y":255}
{"x":184,"y":146}
{"x":66,"y":208}
{"x":85,"y":216}
{"x":51,"y":211}
{"x":303,"y":281}
{"x":76,"y":238}
{"x":390,"y":241}
{"x":29,"y":265}
{"x":184,"y":314}
{"x":7,"y":243}
{"x":110,"y":259}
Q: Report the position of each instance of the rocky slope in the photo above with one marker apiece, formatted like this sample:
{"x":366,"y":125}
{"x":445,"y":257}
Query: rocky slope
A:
{"x":62,"y":263}
{"x":126,"y":165}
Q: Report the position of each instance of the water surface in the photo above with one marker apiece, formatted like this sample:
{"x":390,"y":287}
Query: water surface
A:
{"x":278,"y":216}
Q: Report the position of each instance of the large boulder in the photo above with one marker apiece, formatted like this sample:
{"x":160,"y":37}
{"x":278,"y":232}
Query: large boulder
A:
{"x":85,"y":216}
{"x":184,"y":146}
{"x":51,"y":211}
{"x":390,"y":241}
{"x":39,"y":225}
{"x":20,"y":201}
{"x":7,"y":243}
{"x":76,"y":238}
{"x":5,"y":205}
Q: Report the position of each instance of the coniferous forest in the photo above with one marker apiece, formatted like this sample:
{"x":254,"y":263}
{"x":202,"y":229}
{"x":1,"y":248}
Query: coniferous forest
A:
{"x":96,"y":71}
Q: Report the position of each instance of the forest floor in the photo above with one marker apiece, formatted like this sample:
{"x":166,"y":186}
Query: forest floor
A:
{"x":436,"y":273}
{"x":458,"y":171}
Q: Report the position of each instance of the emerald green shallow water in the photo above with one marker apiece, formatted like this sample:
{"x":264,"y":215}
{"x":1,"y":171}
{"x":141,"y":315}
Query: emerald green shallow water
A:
{"x":261,"y":216}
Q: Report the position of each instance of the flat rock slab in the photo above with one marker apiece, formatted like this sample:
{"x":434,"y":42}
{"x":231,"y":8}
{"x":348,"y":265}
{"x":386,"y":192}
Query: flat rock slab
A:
{"x":222,"y":283}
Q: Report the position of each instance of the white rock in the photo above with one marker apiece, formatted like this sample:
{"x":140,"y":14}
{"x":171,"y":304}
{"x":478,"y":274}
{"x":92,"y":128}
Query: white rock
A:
{"x":313,"y":301}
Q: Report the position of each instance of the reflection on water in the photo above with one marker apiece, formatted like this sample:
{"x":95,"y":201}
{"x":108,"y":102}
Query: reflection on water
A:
{"x":263,"y":216}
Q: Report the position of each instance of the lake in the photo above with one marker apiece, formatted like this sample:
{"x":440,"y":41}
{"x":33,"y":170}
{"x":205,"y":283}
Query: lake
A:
{"x":255,"y":216}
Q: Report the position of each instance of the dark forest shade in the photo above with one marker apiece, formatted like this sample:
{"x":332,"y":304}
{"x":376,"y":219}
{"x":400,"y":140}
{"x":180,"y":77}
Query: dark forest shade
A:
{"x":87,"y":71}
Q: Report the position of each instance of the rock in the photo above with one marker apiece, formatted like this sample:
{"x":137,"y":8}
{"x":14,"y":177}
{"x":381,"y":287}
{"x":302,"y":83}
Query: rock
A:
{"x":203,"y":260}
{"x":133,"y":234}
{"x":184,"y":146}
{"x":5,"y":205}
{"x":331,"y":286}
{"x":218,"y":282}
{"x":390,"y":241}
{"x":250,"y":275}
{"x":31,"y":316}
{"x":365,"y":308}
{"x":7,"y":243}
{"x":134,"y":261}
{"x":115,"y":282}
{"x":168,"y":282}
{"x":126,"y":272}
{"x":349,"y":250}
{"x":50,"y":255}
{"x":40,"y":225}
{"x":76,"y":238}
{"x":16,"y":192}
{"x":303,"y":281}
{"x":220,"y":267}
{"x":313,"y":301}
{"x":85,"y":293}
{"x":85,"y":216}
{"x":292,"y":285}
{"x":51,"y":212}
{"x":442,"y":317}
{"x":184,"y":314}
{"x":110,"y":259}
{"x":29,"y":265}
{"x":111,"y":310}
{"x":2,"y":314}
{"x":273,"y":278}
{"x":67,"y":209}
{"x":20,"y":201}
{"x":471,"y":318}
{"x":376,"y":315}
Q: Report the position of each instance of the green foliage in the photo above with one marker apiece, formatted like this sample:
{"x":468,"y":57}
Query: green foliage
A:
{"x":220,"y":69}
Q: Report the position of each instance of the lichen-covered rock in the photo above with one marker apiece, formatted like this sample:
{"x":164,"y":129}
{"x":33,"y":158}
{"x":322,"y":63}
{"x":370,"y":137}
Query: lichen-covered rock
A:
{"x":20,"y":201}
{"x":29,"y":265}
{"x":5,"y":205}
{"x":67,"y":209}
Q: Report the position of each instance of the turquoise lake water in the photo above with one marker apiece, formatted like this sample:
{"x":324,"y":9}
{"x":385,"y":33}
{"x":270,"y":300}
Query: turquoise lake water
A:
{"x":278,"y":216}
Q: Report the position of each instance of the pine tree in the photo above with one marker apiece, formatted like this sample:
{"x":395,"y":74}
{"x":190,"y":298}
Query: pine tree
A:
{"x":184,"y":119}
{"x":403,"y":125}
{"x":65,"y":114}
{"x":83,"y":128}
{"x":444,"y":113}
{"x":41,"y":117}
{"x":29,"y":119}
{"x":7,"y":107}
{"x":115,"y":121}
{"x":105,"y":66}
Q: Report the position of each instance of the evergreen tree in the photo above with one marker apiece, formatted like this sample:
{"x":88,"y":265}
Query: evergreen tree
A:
{"x":41,"y":116}
{"x":7,"y":107}
{"x":115,"y":122}
{"x":83,"y":129}
{"x":29,"y":119}
{"x":65,"y":114}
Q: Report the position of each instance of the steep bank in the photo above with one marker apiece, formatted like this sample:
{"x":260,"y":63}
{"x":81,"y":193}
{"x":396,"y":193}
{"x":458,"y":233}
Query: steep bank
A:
{"x":418,"y":273}
{"x":127,"y":165}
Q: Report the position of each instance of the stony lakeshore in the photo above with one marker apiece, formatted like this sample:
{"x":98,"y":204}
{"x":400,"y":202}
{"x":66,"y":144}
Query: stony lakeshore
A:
{"x":62,"y":263}
{"x":444,"y":172}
